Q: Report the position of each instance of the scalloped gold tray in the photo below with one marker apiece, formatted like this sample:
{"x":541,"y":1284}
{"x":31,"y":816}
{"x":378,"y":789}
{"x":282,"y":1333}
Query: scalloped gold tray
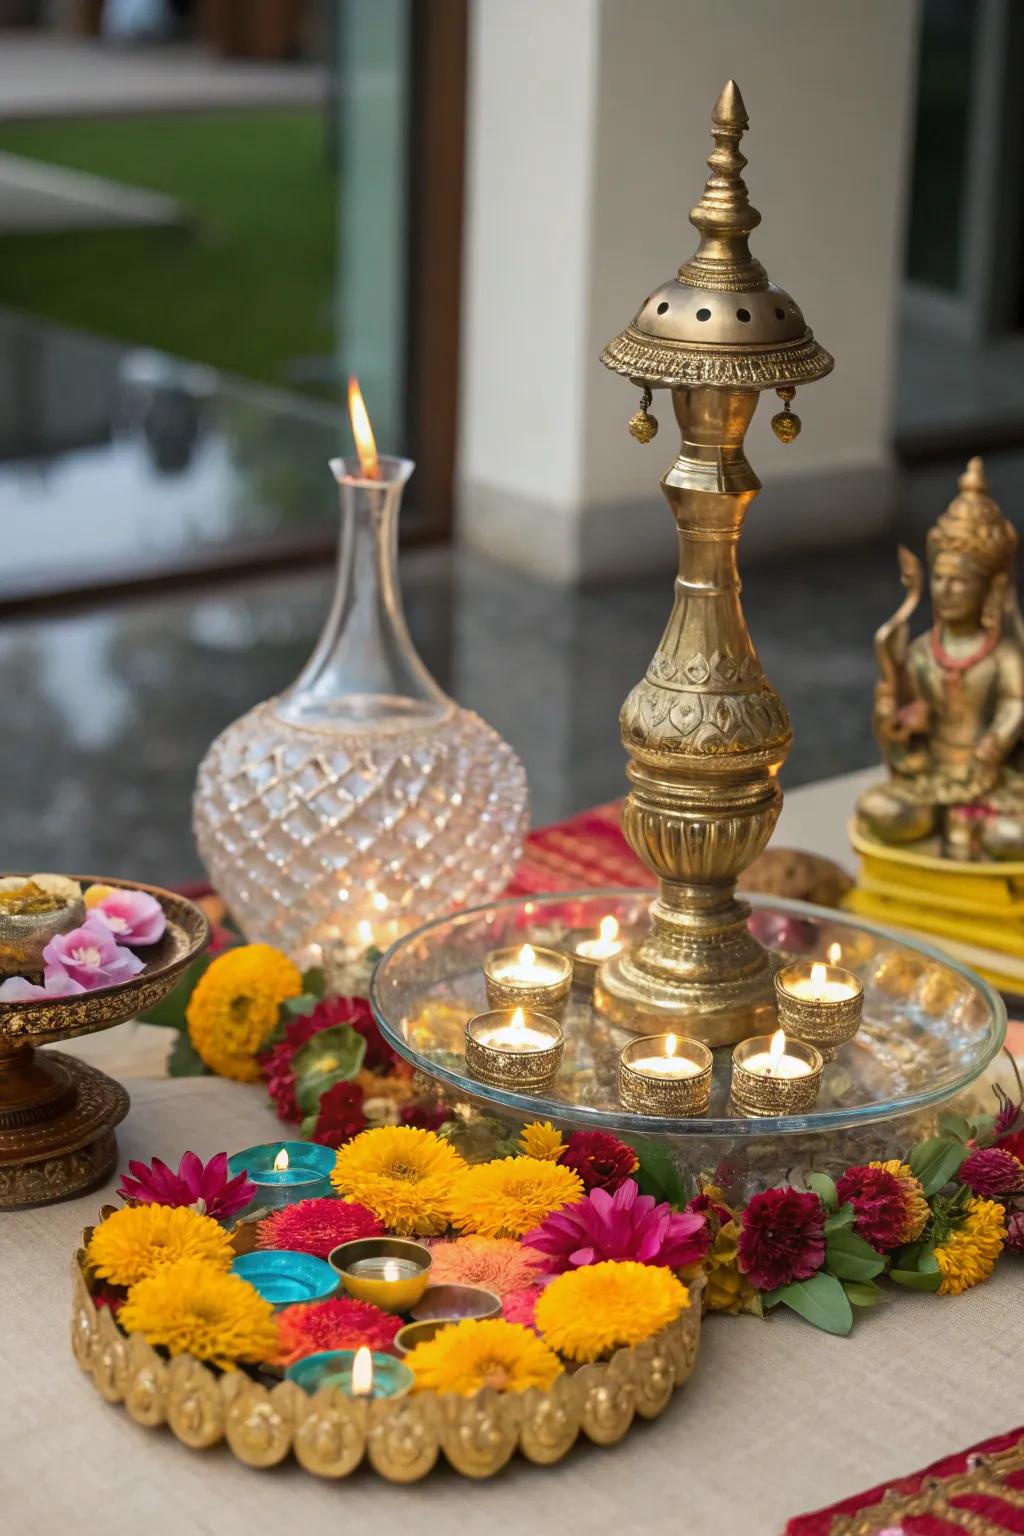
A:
{"x":330,"y":1434}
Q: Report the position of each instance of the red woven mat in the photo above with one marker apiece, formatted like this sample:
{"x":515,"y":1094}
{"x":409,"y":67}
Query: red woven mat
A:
{"x":980,"y":1489}
{"x":587,"y":850}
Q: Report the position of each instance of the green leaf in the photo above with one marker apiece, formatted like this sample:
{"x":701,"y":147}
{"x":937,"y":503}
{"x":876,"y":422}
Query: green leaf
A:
{"x":309,"y":1126}
{"x":184,"y":1060}
{"x":332,"y":1056}
{"x":656,"y":1173}
{"x":916,"y":1279}
{"x":170,"y":1010}
{"x":851,"y":1258}
{"x":821,"y":1300}
{"x":314,"y":981}
{"x":824,"y":1188}
{"x":298,"y":1007}
{"x":839,"y":1219}
{"x":955,"y":1126}
{"x":935,"y":1162}
{"x":983,"y":1129}
{"x":862,"y":1293}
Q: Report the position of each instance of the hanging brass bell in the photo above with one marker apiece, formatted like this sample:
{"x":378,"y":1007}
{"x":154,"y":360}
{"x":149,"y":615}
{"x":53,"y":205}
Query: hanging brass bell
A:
{"x":643,"y":426}
{"x":786,"y":424}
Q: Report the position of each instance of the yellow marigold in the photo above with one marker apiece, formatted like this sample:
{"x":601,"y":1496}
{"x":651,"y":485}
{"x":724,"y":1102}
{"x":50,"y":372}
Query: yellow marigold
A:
{"x":471,"y":1355}
{"x":729,"y":1290}
{"x":969,"y":1253}
{"x":588,"y":1312}
{"x":393,"y":1086}
{"x":234,"y":1007}
{"x":135,"y":1242}
{"x":540,"y":1139}
{"x":403,"y":1175}
{"x":192,"y":1308}
{"x":508,"y":1196}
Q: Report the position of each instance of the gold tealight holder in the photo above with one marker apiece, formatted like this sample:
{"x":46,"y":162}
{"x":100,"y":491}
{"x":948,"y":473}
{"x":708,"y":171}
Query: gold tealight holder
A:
{"x":588,"y":948}
{"x":819,"y":1003}
{"x":389,"y":1272}
{"x":665,"y":1075}
{"x":514,"y":1048}
{"x":523,"y":976}
{"x":773,"y":1075}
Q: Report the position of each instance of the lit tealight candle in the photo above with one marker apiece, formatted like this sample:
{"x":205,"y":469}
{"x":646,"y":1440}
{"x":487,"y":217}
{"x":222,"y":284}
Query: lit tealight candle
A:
{"x":820,"y":1003}
{"x":284,"y":1172}
{"x":360,"y":1374}
{"x":390,"y":1272}
{"x":588,"y":950}
{"x":528,"y":977}
{"x":665,"y":1075}
{"x":775,"y":1076}
{"x":519,"y":1050}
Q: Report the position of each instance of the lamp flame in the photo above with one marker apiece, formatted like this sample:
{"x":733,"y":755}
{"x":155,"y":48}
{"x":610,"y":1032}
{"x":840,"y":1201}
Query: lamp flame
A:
{"x":776,"y":1050}
{"x":366,"y":446}
{"x":608,"y":929}
{"x":281,"y":1160}
{"x":362,"y":1373}
{"x":527,"y":957}
{"x":835,"y":954}
{"x":392,"y":1270}
{"x":517,"y":1025}
{"x":671,"y":1044}
{"x":819,"y":979}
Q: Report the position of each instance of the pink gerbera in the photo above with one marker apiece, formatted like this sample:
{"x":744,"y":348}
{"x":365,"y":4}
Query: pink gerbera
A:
{"x":624,"y":1226}
{"x":205,"y":1187}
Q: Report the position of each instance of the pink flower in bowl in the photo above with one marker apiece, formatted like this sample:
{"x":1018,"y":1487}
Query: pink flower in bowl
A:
{"x":133,"y":917}
{"x":89,"y":955}
{"x":17,"y":989}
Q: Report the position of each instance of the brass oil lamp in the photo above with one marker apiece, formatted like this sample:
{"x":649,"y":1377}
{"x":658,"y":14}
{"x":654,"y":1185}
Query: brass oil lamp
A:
{"x":705,"y":730}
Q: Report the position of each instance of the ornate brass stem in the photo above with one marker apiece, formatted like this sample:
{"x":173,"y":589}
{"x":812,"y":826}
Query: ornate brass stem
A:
{"x":705,"y":731}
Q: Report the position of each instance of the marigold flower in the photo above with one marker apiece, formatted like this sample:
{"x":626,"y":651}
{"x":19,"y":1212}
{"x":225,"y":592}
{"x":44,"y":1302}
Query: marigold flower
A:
{"x":206,"y":1187}
{"x":601,"y":1160}
{"x":968,"y":1255}
{"x":341,"y":1322}
{"x":588,"y":1312}
{"x":494,"y":1263}
{"x":729,"y":1290}
{"x":405,"y":1176}
{"x":509,"y":1195}
{"x":192,"y":1308}
{"x":317,"y":1226}
{"x":782,"y":1238}
{"x":889,"y":1206}
{"x":626,"y":1225}
{"x":992,"y":1171}
{"x":472,"y":1355}
{"x":234,"y":1007}
{"x":135,"y":1242}
{"x":540,"y":1139}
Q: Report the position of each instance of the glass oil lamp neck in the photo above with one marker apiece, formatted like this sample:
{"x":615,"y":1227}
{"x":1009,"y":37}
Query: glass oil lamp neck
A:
{"x":365,"y":671}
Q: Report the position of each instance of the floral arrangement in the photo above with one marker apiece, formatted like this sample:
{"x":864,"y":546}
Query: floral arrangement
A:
{"x":98,"y":953}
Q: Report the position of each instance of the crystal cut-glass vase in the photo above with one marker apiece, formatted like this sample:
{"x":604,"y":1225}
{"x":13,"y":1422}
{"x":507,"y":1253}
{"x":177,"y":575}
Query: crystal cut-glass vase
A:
{"x":362,"y":801}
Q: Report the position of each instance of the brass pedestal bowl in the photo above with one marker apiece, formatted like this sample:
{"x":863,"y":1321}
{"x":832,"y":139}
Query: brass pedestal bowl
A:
{"x":58,"y":1114}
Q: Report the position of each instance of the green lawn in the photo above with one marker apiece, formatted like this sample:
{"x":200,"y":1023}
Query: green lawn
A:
{"x":248,"y":289}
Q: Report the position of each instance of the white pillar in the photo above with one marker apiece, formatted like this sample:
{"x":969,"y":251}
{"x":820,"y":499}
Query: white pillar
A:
{"x":587,"y":134}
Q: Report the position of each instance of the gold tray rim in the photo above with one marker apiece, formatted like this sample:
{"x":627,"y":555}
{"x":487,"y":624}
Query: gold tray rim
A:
{"x":401,"y":1439}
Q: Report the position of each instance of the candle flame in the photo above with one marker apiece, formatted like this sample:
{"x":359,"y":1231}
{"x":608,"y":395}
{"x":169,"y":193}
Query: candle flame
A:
{"x":380,"y":901}
{"x":366,"y":447}
{"x":527,"y":957}
{"x":517,"y":1025}
{"x":362,"y":1372}
{"x":608,"y":930}
{"x":835,"y":954}
{"x":819,"y":978}
{"x":776,"y":1050}
{"x":281,"y":1160}
{"x":671,"y":1044}
{"x":364,"y":931}
{"x":392,"y":1269}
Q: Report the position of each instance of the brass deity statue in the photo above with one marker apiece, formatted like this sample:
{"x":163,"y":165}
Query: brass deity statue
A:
{"x":949,"y":705}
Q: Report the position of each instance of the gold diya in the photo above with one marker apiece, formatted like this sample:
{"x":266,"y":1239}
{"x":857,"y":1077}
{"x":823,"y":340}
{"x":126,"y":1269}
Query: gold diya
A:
{"x":57,"y":1113}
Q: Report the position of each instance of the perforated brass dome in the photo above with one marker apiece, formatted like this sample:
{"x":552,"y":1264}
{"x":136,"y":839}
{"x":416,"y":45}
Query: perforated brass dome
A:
{"x":719,"y":320}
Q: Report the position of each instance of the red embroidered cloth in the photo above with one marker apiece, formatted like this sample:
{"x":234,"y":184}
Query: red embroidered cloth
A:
{"x":587,"y":850}
{"x":977,"y":1490}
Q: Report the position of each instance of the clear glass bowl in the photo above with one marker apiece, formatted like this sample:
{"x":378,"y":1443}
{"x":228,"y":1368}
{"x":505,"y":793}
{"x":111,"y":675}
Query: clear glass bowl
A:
{"x":931,"y":1036}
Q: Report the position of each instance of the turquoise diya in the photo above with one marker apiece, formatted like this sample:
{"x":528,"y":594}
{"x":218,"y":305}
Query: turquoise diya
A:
{"x":285,"y":1172}
{"x":284,"y":1278}
{"x":356,"y":1372}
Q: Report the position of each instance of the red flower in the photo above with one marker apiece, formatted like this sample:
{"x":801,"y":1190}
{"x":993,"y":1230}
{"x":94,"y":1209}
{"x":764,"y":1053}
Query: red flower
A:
{"x":1014,"y":1143}
{"x":425,"y":1117}
{"x":317,"y":1226}
{"x":992,"y":1171}
{"x":340,"y":1116}
{"x":206,"y":1186}
{"x":1015,"y":1232}
{"x":108,"y":1296}
{"x":782,"y":1238}
{"x":705,"y":1205}
{"x":601,"y":1160}
{"x":340,"y":1323}
{"x":889,"y":1208}
{"x":276,"y":1063}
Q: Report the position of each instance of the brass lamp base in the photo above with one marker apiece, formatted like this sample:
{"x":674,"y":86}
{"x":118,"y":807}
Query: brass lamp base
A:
{"x":699,"y":973}
{"x":57,"y":1119}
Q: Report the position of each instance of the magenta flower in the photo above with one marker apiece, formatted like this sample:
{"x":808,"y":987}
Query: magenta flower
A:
{"x":992,"y":1171}
{"x":1015,"y":1232}
{"x":89,"y":955}
{"x":623,"y":1226}
{"x":208,"y":1189}
{"x":133,"y":917}
{"x":16,"y":989}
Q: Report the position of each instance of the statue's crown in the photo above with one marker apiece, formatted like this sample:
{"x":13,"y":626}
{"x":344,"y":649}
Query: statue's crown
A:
{"x":972,"y":525}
